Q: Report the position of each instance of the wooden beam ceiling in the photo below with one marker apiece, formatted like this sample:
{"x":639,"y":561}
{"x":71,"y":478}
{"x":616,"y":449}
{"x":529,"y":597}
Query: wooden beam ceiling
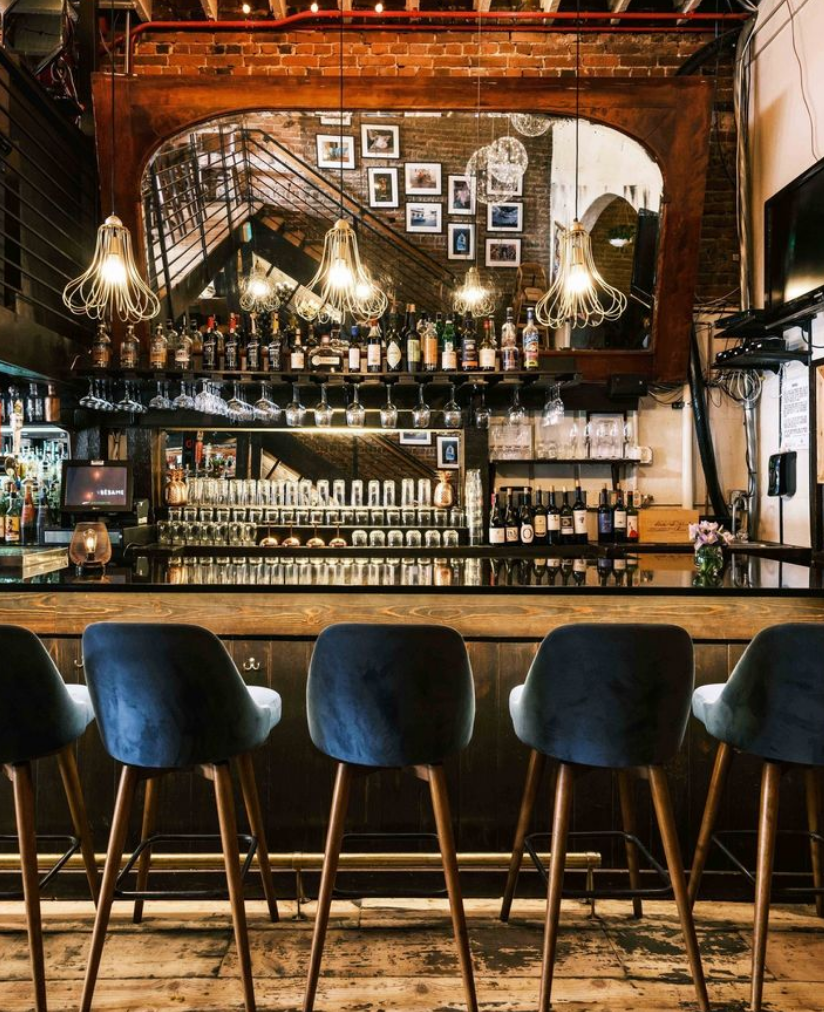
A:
{"x":278,"y":8}
{"x":550,"y":6}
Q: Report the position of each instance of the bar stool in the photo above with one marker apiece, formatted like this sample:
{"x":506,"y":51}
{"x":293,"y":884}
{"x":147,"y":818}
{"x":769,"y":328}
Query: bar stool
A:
{"x":169,"y":698}
{"x":771,"y":707}
{"x":388,"y":697}
{"x":614,"y":697}
{"x":41,"y":716}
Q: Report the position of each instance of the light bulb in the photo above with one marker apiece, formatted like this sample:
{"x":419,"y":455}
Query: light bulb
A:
{"x":379,"y":7}
{"x":259,"y":288}
{"x":90,"y":541}
{"x":114,"y":270}
{"x":363,"y":290}
{"x":313,"y":7}
{"x":340,"y":276}
{"x":578,"y":280}
{"x":246,"y":8}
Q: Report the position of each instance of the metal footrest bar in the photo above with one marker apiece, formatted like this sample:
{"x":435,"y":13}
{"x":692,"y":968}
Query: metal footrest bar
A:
{"x":788,"y":892}
{"x":381,"y":838}
{"x":664,"y":889}
{"x":74,"y":846}
{"x":180,"y":894}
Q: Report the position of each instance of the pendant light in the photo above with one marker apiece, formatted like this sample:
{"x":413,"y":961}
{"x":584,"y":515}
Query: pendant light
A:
{"x":342,"y":283}
{"x":530,"y":125}
{"x":112,"y":284}
{"x":473,"y":296}
{"x":258,"y":294}
{"x":579,"y":295}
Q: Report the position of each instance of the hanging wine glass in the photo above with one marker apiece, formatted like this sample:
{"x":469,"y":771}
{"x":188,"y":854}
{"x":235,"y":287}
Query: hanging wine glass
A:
{"x":421,"y":412}
{"x":452,"y":414}
{"x":481,"y":410}
{"x":355,"y":411}
{"x":235,"y":407}
{"x":389,"y":413}
{"x":516,"y":415}
{"x":323,"y":411}
{"x":295,"y":411}
{"x":88,"y":400}
{"x":553,"y":411}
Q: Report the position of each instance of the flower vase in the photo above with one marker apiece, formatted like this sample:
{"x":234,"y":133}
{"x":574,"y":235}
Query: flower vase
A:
{"x":709,"y":561}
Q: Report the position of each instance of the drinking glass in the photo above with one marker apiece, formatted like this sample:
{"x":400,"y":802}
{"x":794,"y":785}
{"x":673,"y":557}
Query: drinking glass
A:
{"x":355,"y":411}
{"x":323,"y":491}
{"x":407,"y":491}
{"x":389,"y":413}
{"x":357,"y":492}
{"x":452,"y":414}
{"x":377,"y":539}
{"x":481,"y":410}
{"x":553,"y":406}
{"x":450,"y":538}
{"x":295,"y":411}
{"x":360,"y":539}
{"x":432,"y":539}
{"x":323,"y":412}
{"x":424,"y":492}
{"x":516,"y":415}
{"x":413,"y":539}
{"x":394,"y":539}
{"x":373,"y":493}
{"x":339,"y":492}
{"x":235,"y":407}
{"x":266,"y":408}
{"x":389,"y":492}
{"x":421,"y":412}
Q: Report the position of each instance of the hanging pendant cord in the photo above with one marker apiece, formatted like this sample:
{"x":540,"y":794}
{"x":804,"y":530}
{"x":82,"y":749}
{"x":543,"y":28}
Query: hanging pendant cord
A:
{"x":477,"y":136}
{"x":111,"y":59}
{"x":577,"y":95}
{"x":340,"y":121}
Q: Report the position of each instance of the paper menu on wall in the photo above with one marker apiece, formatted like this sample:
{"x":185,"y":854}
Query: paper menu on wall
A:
{"x":795,"y":410}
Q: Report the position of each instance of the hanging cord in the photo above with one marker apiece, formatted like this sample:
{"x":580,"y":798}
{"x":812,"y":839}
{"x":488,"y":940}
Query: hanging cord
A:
{"x":474,"y":196}
{"x":577,"y":95}
{"x":111,"y":60}
{"x":340,"y":121}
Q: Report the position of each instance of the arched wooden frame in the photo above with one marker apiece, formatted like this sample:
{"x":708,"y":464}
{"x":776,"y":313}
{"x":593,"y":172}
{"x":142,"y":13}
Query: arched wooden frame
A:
{"x":669,"y":117}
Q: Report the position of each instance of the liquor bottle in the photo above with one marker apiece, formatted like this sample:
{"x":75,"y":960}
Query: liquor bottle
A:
{"x":579,"y":516}
{"x":171,"y":344}
{"x":220,"y":346}
{"x":413,"y":340}
{"x":497,"y":524}
{"x":510,"y":356}
{"x":101,"y":348}
{"x":51,"y":404}
{"x":531,"y":340}
{"x":430,"y":347}
{"x":553,"y":521}
{"x":158,"y":349}
{"x":4,"y":509}
{"x":394,"y":351}
{"x":567,"y":521}
{"x":297,"y":353}
{"x":129,"y":349}
{"x":539,"y":519}
{"x":354,"y":354}
{"x":13,"y":514}
{"x":231,"y":351}
{"x":526,"y":531}
{"x":449,"y":351}
{"x":604,"y":518}
{"x":276,"y":354}
{"x":511,"y":523}
{"x":209,"y":346}
{"x":196,"y":349}
{"x":33,"y":411}
{"x":619,"y":519}
{"x":374,"y":349}
{"x":28,"y":517}
{"x":469,"y":346}
{"x":311,"y":344}
{"x":183,"y":351}
{"x":486,"y":354}
{"x":253,"y":346}
{"x":633,"y":533}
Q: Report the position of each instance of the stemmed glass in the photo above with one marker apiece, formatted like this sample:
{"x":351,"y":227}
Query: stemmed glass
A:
{"x":573,"y":441}
{"x":516,"y":415}
{"x":553,"y":406}
{"x":452,"y":414}
{"x":295,"y":411}
{"x":160,"y":401}
{"x":389,"y":413}
{"x":481,"y":410}
{"x":355,"y":411}
{"x":130,"y":402}
{"x":265,"y":407}
{"x":184,"y":400}
{"x":235,"y":407}
{"x":323,"y":411}
{"x":421,"y":413}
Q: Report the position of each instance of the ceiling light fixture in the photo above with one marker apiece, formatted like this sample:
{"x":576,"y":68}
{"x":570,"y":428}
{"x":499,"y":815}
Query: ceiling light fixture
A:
{"x":258,"y":294}
{"x":530,"y":125}
{"x":473,"y":296}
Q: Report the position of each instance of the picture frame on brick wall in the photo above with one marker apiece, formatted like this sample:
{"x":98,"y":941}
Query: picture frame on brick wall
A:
{"x":380,"y":140}
{"x":460,"y":195}
{"x":422,"y":217}
{"x":503,"y":252}
{"x":422,"y":179}
{"x":507,"y":216}
{"x":505,"y":189}
{"x":383,"y":186}
{"x":461,"y":241}
{"x":336,"y":151}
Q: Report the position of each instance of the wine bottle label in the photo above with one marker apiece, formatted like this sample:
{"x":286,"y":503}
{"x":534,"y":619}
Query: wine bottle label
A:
{"x":128,"y":359}
{"x":354,"y":359}
{"x":231,"y":356}
{"x":580,"y":519}
{"x":373,"y":356}
{"x":413,"y":352}
{"x":487,"y":357}
{"x":512,"y":535}
{"x":157,"y":359}
{"x":430,"y":351}
{"x":325,"y":359}
{"x":632,"y":527}
{"x":527,"y":534}
{"x":100,"y":356}
{"x":605,"y":523}
{"x":253,"y":357}
{"x":12,"y":528}
{"x":393,"y":355}
{"x":620,"y":520}
{"x":531,"y":355}
{"x":566,"y":525}
{"x":540,"y":525}
{"x":579,"y":566}
{"x":297,"y":359}
{"x":553,"y":522}
{"x":619,"y":565}
{"x":449,"y":360}
{"x":182,"y":358}
{"x":208,"y":356}
{"x":497,"y":535}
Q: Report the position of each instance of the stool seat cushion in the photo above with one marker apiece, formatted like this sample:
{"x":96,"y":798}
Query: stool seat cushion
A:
{"x":269,"y":702}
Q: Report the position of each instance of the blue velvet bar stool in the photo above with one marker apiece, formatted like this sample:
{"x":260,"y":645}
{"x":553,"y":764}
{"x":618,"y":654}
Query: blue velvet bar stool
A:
{"x":389,"y":697}
{"x":771,"y":707}
{"x":40,"y":716}
{"x":613,"y":697}
{"x":169,"y":698}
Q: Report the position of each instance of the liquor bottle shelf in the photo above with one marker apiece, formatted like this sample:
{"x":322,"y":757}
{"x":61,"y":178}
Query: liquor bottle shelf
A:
{"x":564,"y":373}
{"x":592,"y":461}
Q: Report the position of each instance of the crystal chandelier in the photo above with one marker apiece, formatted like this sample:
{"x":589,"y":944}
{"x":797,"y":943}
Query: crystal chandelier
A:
{"x":473,"y":296}
{"x":507,"y":160}
{"x":257,"y":292}
{"x":342,"y":284}
{"x":489,"y":189}
{"x":530,"y":125}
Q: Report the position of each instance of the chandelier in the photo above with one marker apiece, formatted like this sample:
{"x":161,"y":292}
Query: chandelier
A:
{"x":257,"y":292}
{"x":507,"y":160}
{"x":530,"y":125}
{"x":473,"y":296}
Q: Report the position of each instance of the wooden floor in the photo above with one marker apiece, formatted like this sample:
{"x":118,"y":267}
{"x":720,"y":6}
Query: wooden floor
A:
{"x":398,"y":955}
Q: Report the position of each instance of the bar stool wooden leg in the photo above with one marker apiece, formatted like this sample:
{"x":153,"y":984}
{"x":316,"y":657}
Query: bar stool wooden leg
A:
{"x":80,"y":820}
{"x":150,"y":801}
{"x":251,"y":800}
{"x":231,"y":858}
{"x":672,"y":849}
{"x":626,"y":794}
{"x":723,"y":761}
{"x":21,"y":779}
{"x":334,"y":838}
{"x":560,"y":830}
{"x":446,"y":839}
{"x":537,"y":764}
{"x":117,"y":841}
{"x":767,"y":825}
{"x":814,"y":782}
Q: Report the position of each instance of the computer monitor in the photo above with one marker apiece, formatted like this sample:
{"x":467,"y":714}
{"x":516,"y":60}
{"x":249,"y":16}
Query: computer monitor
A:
{"x":96,"y":486}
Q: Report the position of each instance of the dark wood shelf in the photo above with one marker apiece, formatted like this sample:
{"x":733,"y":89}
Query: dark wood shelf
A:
{"x":761,"y":360}
{"x":570,"y":460}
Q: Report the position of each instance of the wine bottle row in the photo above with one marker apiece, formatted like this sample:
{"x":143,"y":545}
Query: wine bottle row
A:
{"x":526,"y":517}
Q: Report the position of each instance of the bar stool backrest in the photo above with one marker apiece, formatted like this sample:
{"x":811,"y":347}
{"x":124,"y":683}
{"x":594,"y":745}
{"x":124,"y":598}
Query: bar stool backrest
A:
{"x":390,"y":695}
{"x":608,"y":695}
{"x":773,"y":703}
{"x":168,"y":696}
{"x":37,"y":714}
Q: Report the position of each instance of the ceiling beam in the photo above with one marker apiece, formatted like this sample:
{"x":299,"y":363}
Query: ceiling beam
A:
{"x":413,"y":5}
{"x":482,"y":5}
{"x":278,"y":8}
{"x":209,"y":9}
{"x":685,"y":6}
{"x":617,"y":7}
{"x":550,"y":6}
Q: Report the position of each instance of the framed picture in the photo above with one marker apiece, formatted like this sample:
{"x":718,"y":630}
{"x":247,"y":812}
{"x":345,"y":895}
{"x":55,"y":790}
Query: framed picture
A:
{"x":422,"y":179}
{"x":507,"y":217}
{"x":380,"y":140}
{"x":503,"y":252}
{"x":449,"y":453}
{"x":415,"y":437}
{"x":336,"y":151}
{"x":383,"y":187}
{"x":424,"y":218}
{"x":497,"y":188}
{"x":460,"y":196}
{"x":461,"y":242}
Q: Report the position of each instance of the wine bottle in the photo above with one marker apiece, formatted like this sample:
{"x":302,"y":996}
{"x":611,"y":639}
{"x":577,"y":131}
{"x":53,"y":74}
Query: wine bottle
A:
{"x":633,"y":533}
{"x":604,"y":518}
{"x":511,"y":519}
{"x":526,"y":529}
{"x":539,"y":519}
{"x":579,"y":516}
{"x":413,"y":340}
{"x":619,"y":518}
{"x":497,"y":523}
{"x":567,"y":521}
{"x":553,"y":521}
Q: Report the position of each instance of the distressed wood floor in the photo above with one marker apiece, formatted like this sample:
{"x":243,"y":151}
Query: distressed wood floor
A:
{"x":398,"y":955}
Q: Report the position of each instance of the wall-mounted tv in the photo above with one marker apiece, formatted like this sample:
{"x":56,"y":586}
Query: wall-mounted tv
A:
{"x":794,"y":245}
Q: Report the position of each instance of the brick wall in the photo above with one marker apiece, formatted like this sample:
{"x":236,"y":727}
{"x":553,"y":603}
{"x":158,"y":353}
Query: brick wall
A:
{"x":428,"y":54}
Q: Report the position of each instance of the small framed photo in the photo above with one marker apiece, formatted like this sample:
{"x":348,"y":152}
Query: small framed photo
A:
{"x":460,"y":195}
{"x":336,"y":151}
{"x":422,"y":179}
{"x":498,"y":188}
{"x":415,"y":437}
{"x":383,"y":187}
{"x":507,"y":217}
{"x":424,"y":218}
{"x":461,"y":242}
{"x":380,"y":140}
{"x":503,"y":252}
{"x":449,"y":453}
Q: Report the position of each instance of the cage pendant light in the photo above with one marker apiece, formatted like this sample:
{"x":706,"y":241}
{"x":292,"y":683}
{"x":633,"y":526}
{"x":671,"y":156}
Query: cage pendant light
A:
{"x":473,"y":296}
{"x":579,"y":294}
{"x":112,"y":285}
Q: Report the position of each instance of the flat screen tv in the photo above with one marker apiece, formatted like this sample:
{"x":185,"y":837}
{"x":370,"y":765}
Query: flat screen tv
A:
{"x":97,"y":486}
{"x":794,"y":245}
